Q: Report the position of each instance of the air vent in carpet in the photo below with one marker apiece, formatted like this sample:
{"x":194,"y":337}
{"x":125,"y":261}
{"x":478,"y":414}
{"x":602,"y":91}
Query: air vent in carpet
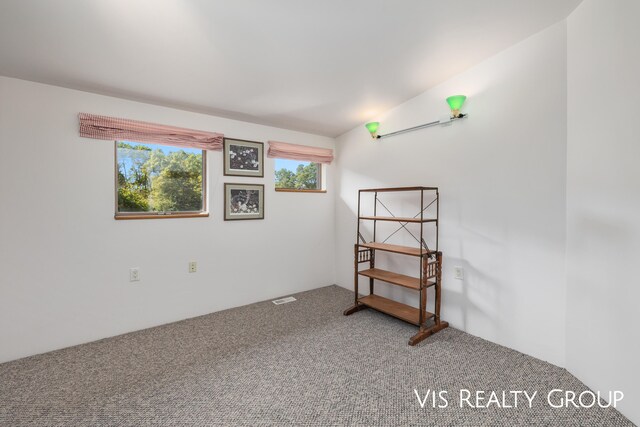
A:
{"x":283,"y":300}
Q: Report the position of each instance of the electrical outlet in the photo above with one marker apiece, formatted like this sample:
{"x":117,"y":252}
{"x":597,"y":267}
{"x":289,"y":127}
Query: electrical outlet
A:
{"x":458,"y":273}
{"x":193,"y":267}
{"x":134,"y":274}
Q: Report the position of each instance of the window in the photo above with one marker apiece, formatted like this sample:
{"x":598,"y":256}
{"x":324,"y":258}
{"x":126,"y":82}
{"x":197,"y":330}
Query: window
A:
{"x":296,"y":175}
{"x":159,"y":181}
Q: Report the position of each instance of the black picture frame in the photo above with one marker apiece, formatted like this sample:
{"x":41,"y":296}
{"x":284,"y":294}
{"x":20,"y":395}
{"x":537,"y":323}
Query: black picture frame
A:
{"x":243,"y":201}
{"x":243,"y":158}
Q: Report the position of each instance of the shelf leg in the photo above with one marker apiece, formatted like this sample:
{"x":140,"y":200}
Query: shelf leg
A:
{"x":439,"y":325}
{"x":354,"y":308}
{"x":372,"y":264}
{"x":438,"y":286}
{"x":356,"y":305}
{"x":424,"y":333}
{"x":423,"y":304}
{"x":355,"y":274}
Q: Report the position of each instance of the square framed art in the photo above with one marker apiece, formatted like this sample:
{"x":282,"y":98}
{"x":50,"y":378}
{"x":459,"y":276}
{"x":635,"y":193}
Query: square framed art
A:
{"x":243,"y":158}
{"x":243,"y":201}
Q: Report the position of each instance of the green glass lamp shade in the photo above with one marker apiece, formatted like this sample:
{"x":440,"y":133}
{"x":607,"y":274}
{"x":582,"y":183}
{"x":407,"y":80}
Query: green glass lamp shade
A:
{"x":455,"y":103}
{"x":373,"y":128}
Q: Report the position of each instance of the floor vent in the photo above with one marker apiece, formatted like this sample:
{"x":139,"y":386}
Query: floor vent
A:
{"x":283,"y":300}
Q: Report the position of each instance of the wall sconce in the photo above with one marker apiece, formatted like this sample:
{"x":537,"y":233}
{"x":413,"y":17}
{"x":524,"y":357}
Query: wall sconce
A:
{"x":455,"y":103}
{"x":373,"y":129}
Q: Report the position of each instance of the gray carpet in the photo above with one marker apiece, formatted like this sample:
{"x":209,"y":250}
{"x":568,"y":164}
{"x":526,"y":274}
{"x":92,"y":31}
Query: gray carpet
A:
{"x":302,"y":363}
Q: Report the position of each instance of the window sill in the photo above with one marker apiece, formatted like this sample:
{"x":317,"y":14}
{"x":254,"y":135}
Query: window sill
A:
{"x":165,"y":216}
{"x":293,"y":190}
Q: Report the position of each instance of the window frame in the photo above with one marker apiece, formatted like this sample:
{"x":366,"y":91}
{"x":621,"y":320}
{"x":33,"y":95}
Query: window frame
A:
{"x":160,"y":215}
{"x":322,"y":188}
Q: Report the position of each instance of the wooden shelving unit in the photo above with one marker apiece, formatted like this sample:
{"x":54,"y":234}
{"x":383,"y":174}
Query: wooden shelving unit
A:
{"x":430,"y":265}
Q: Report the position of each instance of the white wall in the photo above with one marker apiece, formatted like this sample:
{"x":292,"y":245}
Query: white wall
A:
{"x":603,"y":189}
{"x":65,"y":260}
{"x":501,"y":175}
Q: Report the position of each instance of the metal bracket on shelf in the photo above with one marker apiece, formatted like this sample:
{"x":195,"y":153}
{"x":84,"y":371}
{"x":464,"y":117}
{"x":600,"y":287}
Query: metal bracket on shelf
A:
{"x":403,"y":225}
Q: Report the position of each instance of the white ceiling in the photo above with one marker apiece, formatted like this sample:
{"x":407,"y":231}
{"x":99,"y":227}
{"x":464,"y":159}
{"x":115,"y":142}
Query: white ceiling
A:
{"x":322,"y":66}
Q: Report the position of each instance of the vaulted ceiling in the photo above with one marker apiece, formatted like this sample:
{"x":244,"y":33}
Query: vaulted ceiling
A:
{"x":317,"y":66}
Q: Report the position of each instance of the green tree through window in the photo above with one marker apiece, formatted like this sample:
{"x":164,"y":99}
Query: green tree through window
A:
{"x":304,"y":176}
{"x":153,"y":178}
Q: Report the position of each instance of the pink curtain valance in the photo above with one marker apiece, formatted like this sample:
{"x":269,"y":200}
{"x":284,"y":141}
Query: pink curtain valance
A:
{"x":283,"y":150}
{"x":114,"y":129}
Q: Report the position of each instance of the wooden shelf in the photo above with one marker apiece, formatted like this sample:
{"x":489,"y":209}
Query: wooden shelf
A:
{"x":394,"y":278}
{"x":405,"y":250}
{"x":395,"y":309}
{"x":430,"y":264}
{"x":397,"y":219}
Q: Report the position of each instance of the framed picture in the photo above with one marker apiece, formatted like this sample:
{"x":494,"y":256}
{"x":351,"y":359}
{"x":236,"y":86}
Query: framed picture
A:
{"x":243,"y":158}
{"x":243,"y":201}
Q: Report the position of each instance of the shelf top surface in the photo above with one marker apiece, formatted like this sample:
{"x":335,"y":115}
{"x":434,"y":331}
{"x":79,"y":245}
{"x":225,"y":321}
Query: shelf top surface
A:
{"x":394,"y":308}
{"x":391,"y":277}
{"x":397,"y":219}
{"x":406,"y":250}
{"x":380,"y":190}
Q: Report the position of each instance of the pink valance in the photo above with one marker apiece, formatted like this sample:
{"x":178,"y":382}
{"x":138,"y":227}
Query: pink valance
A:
{"x":114,"y":129}
{"x":283,"y":150}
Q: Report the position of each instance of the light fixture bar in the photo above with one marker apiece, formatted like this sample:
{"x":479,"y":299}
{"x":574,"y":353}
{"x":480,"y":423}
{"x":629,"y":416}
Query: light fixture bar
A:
{"x":426,"y":125}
